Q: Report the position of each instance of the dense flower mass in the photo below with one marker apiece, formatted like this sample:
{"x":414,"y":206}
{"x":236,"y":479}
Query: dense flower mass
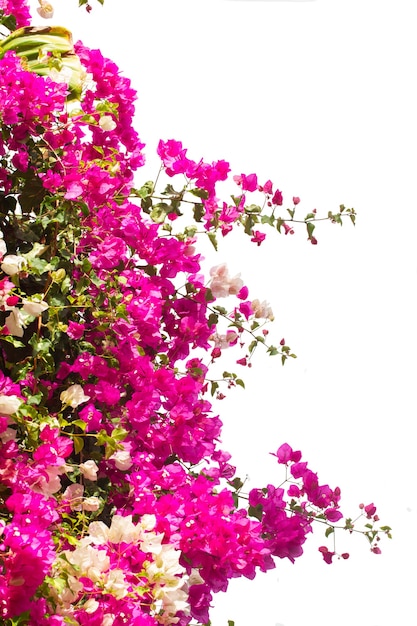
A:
{"x":118,"y":504}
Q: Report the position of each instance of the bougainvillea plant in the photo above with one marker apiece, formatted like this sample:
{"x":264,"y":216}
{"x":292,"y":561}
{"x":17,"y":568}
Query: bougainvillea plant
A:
{"x":118,"y":504}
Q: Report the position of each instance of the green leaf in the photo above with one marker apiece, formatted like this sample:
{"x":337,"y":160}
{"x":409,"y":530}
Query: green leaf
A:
{"x":10,"y":339}
{"x":240,"y":382}
{"x":212,"y":319}
{"x":256,"y":511}
{"x":78,"y":444}
{"x":268,"y":219}
{"x":198,"y":211}
{"x":310,"y":229}
{"x":160,"y":211}
{"x":214,"y":387}
{"x":200,"y":193}
{"x":119,"y":433}
{"x":213,"y":240}
{"x":86,"y":265}
{"x":145,"y":191}
{"x":236,"y":483}
{"x":82,"y":284}
{"x":249,"y":224}
{"x":252,"y":346}
{"x":253,"y":208}
{"x":329,"y":531}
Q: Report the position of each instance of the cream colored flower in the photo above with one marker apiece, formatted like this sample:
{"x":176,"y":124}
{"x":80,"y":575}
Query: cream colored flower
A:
{"x":9,"y":404}
{"x":34,"y":307}
{"x":221,"y":284}
{"x":88,"y":561}
{"x":89,"y":470}
{"x":122,"y":530}
{"x":107,"y":123}
{"x":15,"y":322}
{"x":12,"y":264}
{"x":91,"y":504}
{"x":90,"y":606}
{"x":46,"y":10}
{"x":122,"y":459}
{"x":73,"y":396}
{"x":116,"y":584}
{"x":224,"y":341}
{"x":262,"y":310}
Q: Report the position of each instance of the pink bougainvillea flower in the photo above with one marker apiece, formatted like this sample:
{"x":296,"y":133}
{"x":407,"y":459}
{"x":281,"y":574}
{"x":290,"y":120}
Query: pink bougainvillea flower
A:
{"x":277,"y":198}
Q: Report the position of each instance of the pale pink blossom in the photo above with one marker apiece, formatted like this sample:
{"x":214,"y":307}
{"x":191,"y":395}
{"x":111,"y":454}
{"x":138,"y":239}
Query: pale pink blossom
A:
{"x":91,"y":504}
{"x":262,"y":310}
{"x":224,"y":341}
{"x":221,"y":284}
{"x":122,"y":459}
{"x":74,"y":494}
{"x":89,"y":470}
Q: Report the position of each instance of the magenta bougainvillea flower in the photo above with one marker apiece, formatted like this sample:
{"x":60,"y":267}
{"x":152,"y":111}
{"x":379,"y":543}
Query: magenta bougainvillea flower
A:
{"x":118,"y":503}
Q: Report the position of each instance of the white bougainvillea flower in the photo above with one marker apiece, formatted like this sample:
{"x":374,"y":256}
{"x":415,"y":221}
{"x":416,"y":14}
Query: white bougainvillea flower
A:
{"x":34,"y":307}
{"x":74,"y":494}
{"x":262,"y":310}
{"x":116,"y":584}
{"x":9,"y":404}
{"x":73,"y":396}
{"x":89,"y":470}
{"x":88,"y":561}
{"x":91,"y":504}
{"x":15,"y":322}
{"x":12,"y":264}
{"x":122,"y":460}
{"x":122,"y":529}
{"x":3,"y":247}
{"x":221,"y":284}
{"x":107,"y":123}
{"x":45,"y":10}
{"x":90,"y":606}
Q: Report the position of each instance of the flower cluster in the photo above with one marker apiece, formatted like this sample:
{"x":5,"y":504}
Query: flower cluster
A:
{"x":118,"y":504}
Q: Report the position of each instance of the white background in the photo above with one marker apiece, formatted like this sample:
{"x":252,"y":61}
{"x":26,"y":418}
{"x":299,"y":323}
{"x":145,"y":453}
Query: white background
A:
{"x":320,"y":97}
